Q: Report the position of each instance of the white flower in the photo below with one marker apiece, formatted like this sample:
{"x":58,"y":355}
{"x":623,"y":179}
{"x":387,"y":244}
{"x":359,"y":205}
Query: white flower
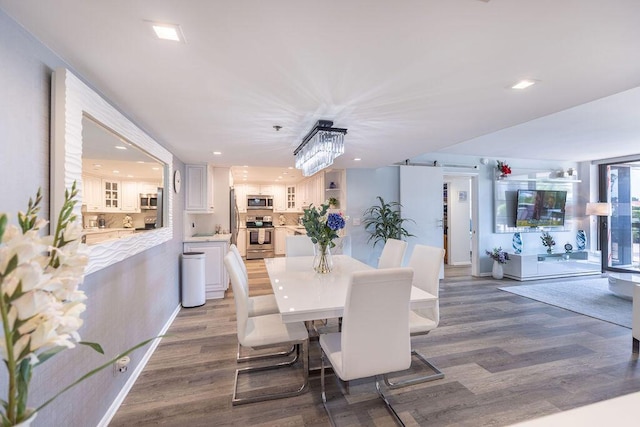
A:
{"x":33,"y":302}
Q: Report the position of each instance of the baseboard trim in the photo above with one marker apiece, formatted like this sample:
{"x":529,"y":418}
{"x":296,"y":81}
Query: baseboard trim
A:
{"x":111,"y":412}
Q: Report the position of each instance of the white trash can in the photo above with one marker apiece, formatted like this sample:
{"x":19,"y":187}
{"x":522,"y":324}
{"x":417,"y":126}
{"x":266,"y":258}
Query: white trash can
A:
{"x":193,"y":288}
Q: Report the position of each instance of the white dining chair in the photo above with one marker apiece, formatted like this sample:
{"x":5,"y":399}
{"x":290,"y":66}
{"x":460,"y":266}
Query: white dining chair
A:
{"x":392,"y":253}
{"x":343,"y":246}
{"x":233,"y":248}
{"x":256,"y":306}
{"x":375,"y":330}
{"x":300,"y":245}
{"x":426,"y":262}
{"x":265,"y":331}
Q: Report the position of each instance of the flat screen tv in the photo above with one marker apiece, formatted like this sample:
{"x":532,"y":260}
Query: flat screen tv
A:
{"x":540,"y":208}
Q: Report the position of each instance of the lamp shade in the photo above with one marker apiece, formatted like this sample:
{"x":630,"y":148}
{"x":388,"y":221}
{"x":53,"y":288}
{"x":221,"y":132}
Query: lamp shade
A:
{"x":599,"y":209}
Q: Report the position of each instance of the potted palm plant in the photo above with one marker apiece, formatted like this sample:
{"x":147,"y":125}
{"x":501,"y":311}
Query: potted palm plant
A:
{"x":383,"y":221}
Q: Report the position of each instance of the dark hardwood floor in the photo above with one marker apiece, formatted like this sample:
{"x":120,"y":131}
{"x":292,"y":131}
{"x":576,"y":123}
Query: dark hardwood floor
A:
{"x":506,"y":359}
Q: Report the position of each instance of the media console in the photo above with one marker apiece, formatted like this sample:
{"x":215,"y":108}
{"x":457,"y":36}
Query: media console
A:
{"x":545,"y":266}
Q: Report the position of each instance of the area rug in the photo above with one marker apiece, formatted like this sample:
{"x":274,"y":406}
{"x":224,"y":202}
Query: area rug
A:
{"x":590,"y":297}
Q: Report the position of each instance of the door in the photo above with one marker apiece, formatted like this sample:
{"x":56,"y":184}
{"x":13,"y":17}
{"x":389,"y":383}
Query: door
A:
{"x":421,"y":200}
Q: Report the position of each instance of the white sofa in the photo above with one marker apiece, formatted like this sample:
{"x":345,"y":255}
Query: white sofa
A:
{"x":635,"y":328}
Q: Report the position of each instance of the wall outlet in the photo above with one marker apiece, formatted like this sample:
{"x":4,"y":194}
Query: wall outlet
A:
{"x":121,"y":365}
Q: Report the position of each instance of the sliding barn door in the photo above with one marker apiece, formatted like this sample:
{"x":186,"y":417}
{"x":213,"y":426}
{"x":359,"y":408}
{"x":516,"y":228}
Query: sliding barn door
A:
{"x":421,"y":199}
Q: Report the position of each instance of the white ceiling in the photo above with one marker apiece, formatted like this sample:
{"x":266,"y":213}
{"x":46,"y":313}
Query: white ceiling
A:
{"x":406,"y":78}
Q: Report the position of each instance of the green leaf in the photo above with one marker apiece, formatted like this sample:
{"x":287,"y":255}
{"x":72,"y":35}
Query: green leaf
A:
{"x":46,"y":355}
{"x":93,"y":345}
{"x":3,"y":225}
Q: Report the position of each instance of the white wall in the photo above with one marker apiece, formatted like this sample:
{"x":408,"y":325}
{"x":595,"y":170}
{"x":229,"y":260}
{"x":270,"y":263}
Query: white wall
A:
{"x":127,"y":302}
{"x":365,"y":184}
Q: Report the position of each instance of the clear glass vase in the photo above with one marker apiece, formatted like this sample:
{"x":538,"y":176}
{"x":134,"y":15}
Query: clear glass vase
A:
{"x":322,"y":262}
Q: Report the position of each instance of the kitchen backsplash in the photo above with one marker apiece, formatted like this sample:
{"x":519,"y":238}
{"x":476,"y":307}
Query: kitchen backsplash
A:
{"x":115,"y":220}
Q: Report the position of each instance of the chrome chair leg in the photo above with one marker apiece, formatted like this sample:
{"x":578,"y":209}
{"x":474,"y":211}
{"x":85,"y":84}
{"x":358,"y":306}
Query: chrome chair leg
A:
{"x":393,"y":412}
{"x":437,"y":375}
{"x":241,"y":359}
{"x":386,"y":401}
{"x":235,"y":400}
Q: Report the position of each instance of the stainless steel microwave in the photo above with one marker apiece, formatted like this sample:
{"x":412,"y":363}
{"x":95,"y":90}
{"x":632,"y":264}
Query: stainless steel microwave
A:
{"x":148,"y":201}
{"x":260,"y":202}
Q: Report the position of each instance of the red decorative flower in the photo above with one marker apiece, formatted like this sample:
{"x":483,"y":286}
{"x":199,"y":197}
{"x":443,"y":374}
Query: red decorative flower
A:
{"x":504,"y":168}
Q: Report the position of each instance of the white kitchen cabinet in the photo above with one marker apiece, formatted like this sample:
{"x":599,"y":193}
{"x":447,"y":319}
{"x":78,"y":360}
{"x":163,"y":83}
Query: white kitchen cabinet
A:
{"x":215,"y":275}
{"x":112,"y":194}
{"x":259,"y":189}
{"x":279,"y":198}
{"x":281,"y":238}
{"x":148,"y":188}
{"x":290,"y":194}
{"x":130,"y":197}
{"x":199,"y":188}
{"x":92,"y":193}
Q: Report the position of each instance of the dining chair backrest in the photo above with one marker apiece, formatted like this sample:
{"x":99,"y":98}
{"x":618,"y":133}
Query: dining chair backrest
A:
{"x":426,"y":262}
{"x":300,"y":245}
{"x":233,"y":248}
{"x":240,"y":295}
{"x":392,"y":253}
{"x":375,"y":326}
{"x":343,"y":246}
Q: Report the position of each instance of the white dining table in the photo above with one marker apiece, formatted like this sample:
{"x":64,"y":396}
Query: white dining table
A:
{"x":304,"y":295}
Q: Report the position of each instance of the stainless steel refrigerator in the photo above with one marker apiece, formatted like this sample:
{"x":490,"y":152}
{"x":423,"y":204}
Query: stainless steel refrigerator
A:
{"x":234,"y":216}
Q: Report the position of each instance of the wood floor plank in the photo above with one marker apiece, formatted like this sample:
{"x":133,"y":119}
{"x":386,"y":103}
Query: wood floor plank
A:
{"x":506,"y":359}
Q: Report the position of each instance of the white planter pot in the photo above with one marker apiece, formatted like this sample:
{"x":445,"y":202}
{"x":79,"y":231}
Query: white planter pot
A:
{"x":497,"y":271}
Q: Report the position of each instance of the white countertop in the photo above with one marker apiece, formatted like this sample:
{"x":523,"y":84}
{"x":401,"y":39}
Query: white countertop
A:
{"x":105,"y":230}
{"x":208,"y":238}
{"x":297,"y":228}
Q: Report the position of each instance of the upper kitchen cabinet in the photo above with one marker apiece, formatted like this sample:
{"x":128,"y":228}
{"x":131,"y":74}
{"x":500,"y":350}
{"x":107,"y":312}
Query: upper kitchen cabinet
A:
{"x":311,"y":191}
{"x":109,"y":195}
{"x":92,"y":193}
{"x":199,"y":188}
{"x":130,"y":196}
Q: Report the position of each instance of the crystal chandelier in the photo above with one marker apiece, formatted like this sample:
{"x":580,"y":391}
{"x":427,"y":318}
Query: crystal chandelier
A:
{"x":319,"y":148}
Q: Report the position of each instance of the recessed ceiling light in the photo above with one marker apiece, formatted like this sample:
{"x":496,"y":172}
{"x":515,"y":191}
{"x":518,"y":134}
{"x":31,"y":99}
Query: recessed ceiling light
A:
{"x":116,"y":171}
{"x":357,"y":159}
{"x":98,"y":165}
{"x":217,"y":153}
{"x":156,"y":169}
{"x":171,"y":32}
{"x":523,"y":84}
{"x":139,"y":161}
{"x":290,"y":167}
{"x":121,"y":147}
{"x":129,"y":176}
